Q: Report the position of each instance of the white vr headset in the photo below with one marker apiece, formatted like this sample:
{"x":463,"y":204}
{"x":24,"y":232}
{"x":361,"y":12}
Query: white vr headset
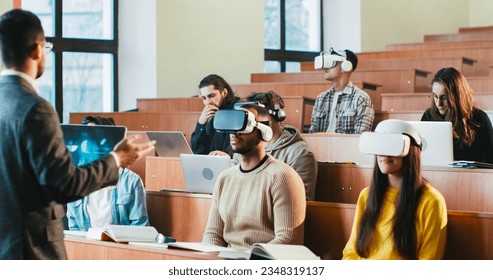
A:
{"x":391,"y":138}
{"x":240,"y":121}
{"x":327,"y":60}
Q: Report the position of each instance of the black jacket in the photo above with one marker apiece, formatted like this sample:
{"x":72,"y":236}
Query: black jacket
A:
{"x":206,"y":139}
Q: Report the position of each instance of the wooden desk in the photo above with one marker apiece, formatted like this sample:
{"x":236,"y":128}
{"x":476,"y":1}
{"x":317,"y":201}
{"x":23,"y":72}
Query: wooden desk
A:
{"x":179,"y":214}
{"x":463,"y":189}
{"x":80,"y":248}
{"x":395,"y":80}
{"x":414,"y":115}
{"x":336,"y":148}
{"x":439,"y":45}
{"x":298,"y":108}
{"x":421,"y":101}
{"x":306,"y":89}
{"x":463,"y":64}
{"x":164,"y":173}
{"x":148,"y":121}
{"x":139,"y":166}
{"x":481,"y":83}
{"x":327,"y":225}
{"x":172,"y":104}
{"x":483,"y":56}
{"x":457,"y":37}
{"x":476,"y":29}
{"x":409,"y":116}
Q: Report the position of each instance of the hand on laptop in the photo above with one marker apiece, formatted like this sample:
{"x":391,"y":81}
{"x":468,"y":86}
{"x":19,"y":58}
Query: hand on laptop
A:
{"x":128,"y":150}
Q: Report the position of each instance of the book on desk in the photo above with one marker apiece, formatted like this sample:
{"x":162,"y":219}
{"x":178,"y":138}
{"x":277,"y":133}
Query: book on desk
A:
{"x":264,"y":251}
{"x":258,"y":251}
{"x":123,"y":233}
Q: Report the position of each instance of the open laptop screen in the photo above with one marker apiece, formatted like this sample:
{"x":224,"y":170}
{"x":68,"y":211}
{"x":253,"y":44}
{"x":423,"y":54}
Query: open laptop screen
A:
{"x":169,"y":143}
{"x":87,"y":143}
{"x":202,"y":171}
{"x":438,"y":147}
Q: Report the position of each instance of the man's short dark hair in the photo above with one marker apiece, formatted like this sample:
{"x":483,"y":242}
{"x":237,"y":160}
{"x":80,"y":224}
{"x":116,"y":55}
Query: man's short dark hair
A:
{"x":352,"y":57}
{"x":20,"y":30}
{"x":269,"y":99}
{"x":98,"y":120}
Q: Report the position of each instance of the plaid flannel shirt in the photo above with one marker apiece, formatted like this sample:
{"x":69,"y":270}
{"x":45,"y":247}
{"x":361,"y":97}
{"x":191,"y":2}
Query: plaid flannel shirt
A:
{"x":354,"y":111}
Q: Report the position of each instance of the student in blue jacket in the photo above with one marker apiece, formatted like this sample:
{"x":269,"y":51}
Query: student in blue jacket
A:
{"x":123,"y":204}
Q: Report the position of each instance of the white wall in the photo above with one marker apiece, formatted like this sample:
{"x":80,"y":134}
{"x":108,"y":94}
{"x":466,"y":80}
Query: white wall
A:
{"x":6,"y":5}
{"x":369,"y":25}
{"x":480,"y":12}
{"x":137,"y":52}
{"x":197,"y":38}
{"x":342,"y":24}
{"x":402,"y":21}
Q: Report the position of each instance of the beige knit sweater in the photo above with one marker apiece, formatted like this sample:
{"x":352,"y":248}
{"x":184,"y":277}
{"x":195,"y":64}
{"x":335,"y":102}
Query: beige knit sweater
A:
{"x":265,"y":205}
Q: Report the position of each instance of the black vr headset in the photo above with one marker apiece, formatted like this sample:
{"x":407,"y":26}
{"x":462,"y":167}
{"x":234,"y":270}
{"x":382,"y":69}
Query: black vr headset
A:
{"x":240,"y":121}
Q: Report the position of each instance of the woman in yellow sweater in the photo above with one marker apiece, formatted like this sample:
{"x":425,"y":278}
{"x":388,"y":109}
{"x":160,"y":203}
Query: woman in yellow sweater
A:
{"x":400,"y":216}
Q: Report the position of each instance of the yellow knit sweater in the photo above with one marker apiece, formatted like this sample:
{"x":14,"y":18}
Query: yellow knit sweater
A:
{"x":431,"y":223}
{"x":265,"y":205}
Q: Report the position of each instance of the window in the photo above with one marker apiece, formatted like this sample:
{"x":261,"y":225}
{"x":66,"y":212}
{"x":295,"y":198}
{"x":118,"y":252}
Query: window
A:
{"x":292,"y":33}
{"x":81,"y":73}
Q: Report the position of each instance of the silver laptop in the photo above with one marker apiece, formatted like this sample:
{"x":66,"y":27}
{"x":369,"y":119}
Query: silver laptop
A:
{"x":201,"y":171}
{"x":438,"y":147}
{"x":169,"y":143}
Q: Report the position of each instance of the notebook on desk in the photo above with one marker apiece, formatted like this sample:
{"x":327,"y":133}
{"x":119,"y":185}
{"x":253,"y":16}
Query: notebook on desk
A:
{"x":169,"y":143}
{"x":438,"y":147}
{"x":201,"y":171}
{"x":87,"y":143}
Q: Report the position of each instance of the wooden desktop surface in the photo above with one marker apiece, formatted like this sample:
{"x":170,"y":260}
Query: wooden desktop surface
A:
{"x":80,"y":248}
{"x":463,"y":189}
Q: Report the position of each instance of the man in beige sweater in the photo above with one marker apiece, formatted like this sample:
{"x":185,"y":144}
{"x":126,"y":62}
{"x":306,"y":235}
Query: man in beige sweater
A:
{"x":261,"y":200}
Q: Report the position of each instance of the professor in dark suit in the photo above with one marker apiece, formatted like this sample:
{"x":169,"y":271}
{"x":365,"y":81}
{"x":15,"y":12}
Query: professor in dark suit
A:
{"x":36,"y":170}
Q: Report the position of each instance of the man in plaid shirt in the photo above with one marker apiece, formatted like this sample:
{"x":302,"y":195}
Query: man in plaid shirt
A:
{"x":344,"y":108}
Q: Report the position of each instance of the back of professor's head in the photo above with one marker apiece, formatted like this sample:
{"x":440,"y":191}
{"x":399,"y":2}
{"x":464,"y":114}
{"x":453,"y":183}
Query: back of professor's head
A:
{"x":20,"y":32}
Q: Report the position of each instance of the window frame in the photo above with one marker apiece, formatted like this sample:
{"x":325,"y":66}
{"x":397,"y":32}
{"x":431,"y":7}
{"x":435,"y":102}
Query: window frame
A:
{"x":282,"y":55}
{"x":61,"y":45}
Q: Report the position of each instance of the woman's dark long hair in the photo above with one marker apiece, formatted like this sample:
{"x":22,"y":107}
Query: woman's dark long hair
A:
{"x":460,"y":102}
{"x":220,"y":84}
{"x":404,"y":228}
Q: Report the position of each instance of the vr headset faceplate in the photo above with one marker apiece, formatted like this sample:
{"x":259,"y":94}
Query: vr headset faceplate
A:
{"x":240,"y":121}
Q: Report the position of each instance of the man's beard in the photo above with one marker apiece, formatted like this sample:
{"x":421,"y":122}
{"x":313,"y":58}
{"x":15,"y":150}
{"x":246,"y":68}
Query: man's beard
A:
{"x":40,"y":71}
{"x":250,"y":147}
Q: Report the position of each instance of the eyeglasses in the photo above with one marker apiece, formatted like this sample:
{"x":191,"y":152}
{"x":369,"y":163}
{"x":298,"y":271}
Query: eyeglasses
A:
{"x":48,"y":47}
{"x":436,"y":97}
